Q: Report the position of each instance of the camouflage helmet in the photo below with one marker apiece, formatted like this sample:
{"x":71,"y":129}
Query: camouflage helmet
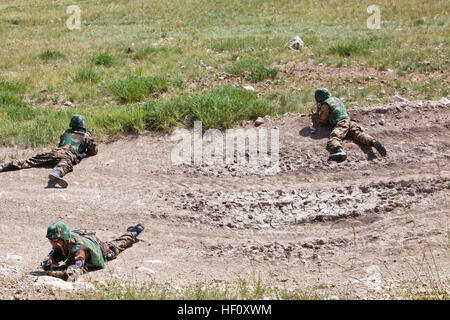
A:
{"x":58,"y":230}
{"x":78,"y":122}
{"x":321,"y":94}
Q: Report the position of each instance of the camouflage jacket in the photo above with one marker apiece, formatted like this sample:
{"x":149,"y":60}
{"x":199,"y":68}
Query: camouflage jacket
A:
{"x":80,"y":142}
{"x":94,"y":256}
{"x":332,"y":111}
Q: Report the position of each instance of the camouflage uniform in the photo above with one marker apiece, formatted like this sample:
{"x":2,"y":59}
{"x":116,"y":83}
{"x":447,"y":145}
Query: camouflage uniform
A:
{"x":332,"y":111}
{"x":74,"y":145}
{"x":84,"y":251}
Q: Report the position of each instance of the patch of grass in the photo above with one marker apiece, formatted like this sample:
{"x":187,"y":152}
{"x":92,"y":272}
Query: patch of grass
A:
{"x":219,"y":108}
{"x":256,"y":69}
{"x":143,"y":53}
{"x":11,"y":92}
{"x":135,"y":89}
{"x":347,"y":49}
{"x":103,"y":59}
{"x":87,"y":74}
{"x":48,"y":55}
{"x":240,"y":289}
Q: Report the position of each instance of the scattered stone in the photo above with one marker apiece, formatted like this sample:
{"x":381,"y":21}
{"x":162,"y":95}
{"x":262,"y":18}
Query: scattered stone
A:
{"x":397,"y":98}
{"x":259,"y":121}
{"x":68,"y":104}
{"x":296,"y":43}
{"x":445,"y":101}
{"x":145,"y":270}
{"x":382,"y":122}
{"x":249,"y":88}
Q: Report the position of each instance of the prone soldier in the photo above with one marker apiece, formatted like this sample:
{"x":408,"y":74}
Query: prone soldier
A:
{"x":82,"y":250}
{"x":74,"y":145}
{"x":330,"y":110}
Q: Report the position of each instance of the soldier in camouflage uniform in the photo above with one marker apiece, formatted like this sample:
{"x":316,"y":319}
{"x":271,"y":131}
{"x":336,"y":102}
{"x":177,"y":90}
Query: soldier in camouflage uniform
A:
{"x":331,"y":110}
{"x":82,"y":250}
{"x":75,"y":144}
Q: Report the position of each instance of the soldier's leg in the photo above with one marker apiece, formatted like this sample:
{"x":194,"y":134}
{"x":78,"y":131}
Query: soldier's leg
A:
{"x":123,"y":242}
{"x":338,"y":134}
{"x":37,"y":160}
{"x":358,"y":133}
{"x":67,"y":160}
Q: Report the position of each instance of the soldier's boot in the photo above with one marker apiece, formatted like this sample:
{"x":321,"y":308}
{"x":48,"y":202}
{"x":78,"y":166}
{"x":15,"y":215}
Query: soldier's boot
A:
{"x":135,"y":230}
{"x":55,"y":177}
{"x":338,"y":156}
{"x":377,"y":145}
{"x":7,"y":167}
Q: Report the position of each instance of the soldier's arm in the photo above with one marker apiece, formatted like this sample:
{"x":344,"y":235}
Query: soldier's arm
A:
{"x":53,"y":257}
{"x":91,"y":146}
{"x":73,"y":271}
{"x":323,"y":111}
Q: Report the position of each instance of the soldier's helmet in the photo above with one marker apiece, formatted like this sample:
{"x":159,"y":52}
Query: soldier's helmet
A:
{"x":58,"y":230}
{"x":78,"y":122}
{"x":321,"y":94}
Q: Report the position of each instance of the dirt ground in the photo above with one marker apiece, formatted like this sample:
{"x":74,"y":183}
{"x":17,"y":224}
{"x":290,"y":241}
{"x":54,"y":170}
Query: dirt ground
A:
{"x":369,"y":227}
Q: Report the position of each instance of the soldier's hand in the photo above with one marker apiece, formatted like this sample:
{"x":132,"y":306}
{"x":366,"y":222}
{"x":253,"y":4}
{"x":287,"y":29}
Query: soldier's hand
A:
{"x":58,"y":274}
{"x":47,"y":264}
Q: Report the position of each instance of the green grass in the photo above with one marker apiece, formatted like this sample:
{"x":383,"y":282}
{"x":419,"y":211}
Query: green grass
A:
{"x":135,"y":89}
{"x":254,"y":288}
{"x":29,"y":126}
{"x":49,"y":55}
{"x":219,"y":108}
{"x":256,"y":68}
{"x":103,"y":59}
{"x":87,"y":74}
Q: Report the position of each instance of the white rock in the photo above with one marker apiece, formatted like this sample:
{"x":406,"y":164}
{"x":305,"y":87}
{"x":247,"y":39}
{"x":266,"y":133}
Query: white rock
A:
{"x":154,"y":261}
{"x":382,"y":122}
{"x":146,"y":270}
{"x":13,"y":257}
{"x":249,"y":88}
{"x":59,"y":284}
{"x":259,"y":121}
{"x":397,"y":98}
{"x":445,"y":101}
{"x":296,"y":43}
{"x":68,"y":104}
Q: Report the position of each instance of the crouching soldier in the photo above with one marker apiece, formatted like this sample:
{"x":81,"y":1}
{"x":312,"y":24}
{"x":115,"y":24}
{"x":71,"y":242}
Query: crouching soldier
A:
{"x":330,"y":110}
{"x":74,"y":145}
{"x":82,"y":250}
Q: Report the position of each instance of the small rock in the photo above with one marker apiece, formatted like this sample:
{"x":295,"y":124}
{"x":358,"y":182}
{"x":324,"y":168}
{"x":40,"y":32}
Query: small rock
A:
{"x":397,"y":98}
{"x":249,"y":88}
{"x":382,"y":122}
{"x":445,"y":101}
{"x":145,"y":270}
{"x":68,"y":104}
{"x":296,"y":43}
{"x":259,"y":121}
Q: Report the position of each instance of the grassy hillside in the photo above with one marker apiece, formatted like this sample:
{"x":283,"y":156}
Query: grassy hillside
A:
{"x":136,"y":65}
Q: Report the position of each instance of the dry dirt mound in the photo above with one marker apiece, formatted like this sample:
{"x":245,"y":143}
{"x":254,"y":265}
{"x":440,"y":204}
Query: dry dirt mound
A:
{"x":355,"y":228}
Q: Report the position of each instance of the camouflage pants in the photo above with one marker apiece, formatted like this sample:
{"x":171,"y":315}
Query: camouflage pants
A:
{"x":117,"y":245}
{"x":63,"y":160}
{"x":346,"y":128}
